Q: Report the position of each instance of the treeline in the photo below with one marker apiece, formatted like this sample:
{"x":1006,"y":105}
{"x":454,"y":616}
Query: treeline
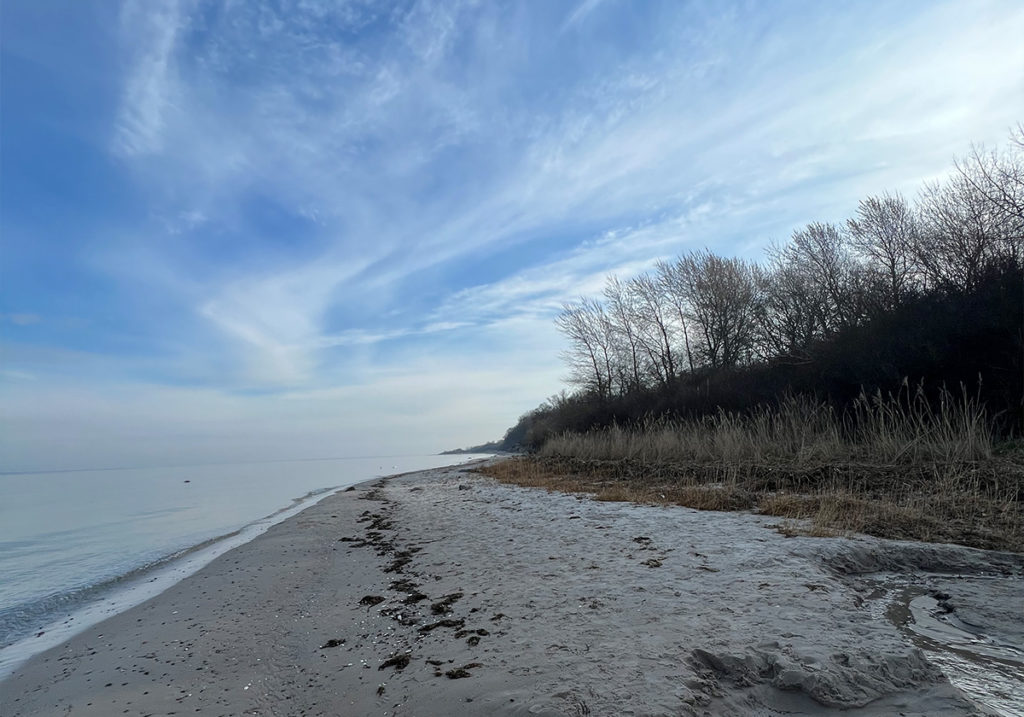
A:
{"x":929,"y":291}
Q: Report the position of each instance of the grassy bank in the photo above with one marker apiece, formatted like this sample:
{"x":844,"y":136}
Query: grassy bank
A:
{"x":896,"y":467}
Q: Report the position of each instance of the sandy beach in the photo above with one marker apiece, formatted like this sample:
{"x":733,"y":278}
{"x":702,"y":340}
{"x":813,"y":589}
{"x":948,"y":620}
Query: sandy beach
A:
{"x":446,"y":593}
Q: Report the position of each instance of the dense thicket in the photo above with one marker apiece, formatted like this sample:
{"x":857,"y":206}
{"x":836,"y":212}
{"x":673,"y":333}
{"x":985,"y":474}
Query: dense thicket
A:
{"x":925,"y":293}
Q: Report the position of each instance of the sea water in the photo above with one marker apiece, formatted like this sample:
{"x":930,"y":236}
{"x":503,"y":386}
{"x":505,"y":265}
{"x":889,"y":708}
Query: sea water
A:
{"x":77,"y":546}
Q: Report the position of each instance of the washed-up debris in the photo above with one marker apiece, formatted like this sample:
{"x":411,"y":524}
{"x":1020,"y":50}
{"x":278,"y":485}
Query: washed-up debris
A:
{"x":444,"y":604}
{"x":399,"y":662}
{"x":460,"y":672}
{"x":443,"y":623}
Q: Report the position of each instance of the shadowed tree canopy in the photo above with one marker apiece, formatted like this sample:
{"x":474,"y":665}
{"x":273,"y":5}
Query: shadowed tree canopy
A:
{"x":929,"y":291}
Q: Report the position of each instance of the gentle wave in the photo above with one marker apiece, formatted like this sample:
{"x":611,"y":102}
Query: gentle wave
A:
{"x":82,"y":546}
{"x":86,"y":607}
{"x":21,"y":620}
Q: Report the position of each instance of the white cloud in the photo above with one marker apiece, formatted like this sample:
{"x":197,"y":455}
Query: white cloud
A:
{"x":640,"y":142}
{"x":422,"y":145}
{"x":537,"y":293}
{"x":148,"y":91}
{"x":278,"y":318}
{"x":581,"y":11}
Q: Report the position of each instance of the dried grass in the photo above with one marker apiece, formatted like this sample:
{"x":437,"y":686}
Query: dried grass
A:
{"x":895,"y":468}
{"x":904,"y":428}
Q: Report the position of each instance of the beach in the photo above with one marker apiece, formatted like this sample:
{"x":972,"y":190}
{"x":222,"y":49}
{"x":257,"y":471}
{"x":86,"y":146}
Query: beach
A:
{"x":444,"y":592}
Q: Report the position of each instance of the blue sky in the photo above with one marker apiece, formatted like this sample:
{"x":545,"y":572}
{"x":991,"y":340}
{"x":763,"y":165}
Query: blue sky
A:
{"x":240,"y":230}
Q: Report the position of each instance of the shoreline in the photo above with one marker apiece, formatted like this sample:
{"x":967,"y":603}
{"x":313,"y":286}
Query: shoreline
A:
{"x":131,"y":589}
{"x":84,"y":605}
{"x":535,"y":603}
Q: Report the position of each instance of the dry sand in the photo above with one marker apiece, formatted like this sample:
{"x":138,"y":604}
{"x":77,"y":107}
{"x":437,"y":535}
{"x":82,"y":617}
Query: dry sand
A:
{"x":445,"y":593}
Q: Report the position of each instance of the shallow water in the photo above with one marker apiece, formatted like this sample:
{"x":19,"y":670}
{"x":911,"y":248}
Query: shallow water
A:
{"x":986,"y":668}
{"x":73,"y":538}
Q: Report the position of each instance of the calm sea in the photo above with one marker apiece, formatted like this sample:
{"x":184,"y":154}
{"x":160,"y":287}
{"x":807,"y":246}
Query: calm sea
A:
{"x":78,"y":546}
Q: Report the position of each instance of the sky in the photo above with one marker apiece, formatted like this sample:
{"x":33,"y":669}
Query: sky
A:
{"x":246,"y":230}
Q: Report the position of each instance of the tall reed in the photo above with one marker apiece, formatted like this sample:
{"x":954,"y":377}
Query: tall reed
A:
{"x":894,"y":429}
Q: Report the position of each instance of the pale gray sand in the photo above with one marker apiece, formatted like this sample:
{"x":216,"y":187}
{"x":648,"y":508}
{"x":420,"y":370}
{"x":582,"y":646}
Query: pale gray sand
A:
{"x":569,"y":606}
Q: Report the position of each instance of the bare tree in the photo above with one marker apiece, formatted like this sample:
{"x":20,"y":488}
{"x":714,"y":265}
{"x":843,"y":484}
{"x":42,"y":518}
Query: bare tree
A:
{"x":622,"y":314}
{"x":885,"y":232}
{"x":655,"y":324}
{"x":791,"y":311}
{"x":589,"y":357}
{"x":821,"y":251}
{"x":998,"y":177}
{"x":962,"y":234}
{"x":721,"y":299}
{"x":675,"y":292}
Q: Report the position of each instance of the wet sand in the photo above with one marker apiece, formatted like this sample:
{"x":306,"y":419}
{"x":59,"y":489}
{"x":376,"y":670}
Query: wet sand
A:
{"x":445,"y":593}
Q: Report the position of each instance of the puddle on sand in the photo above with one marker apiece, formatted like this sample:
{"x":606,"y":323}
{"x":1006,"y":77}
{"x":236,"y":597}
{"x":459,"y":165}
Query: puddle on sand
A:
{"x":987,"y":671}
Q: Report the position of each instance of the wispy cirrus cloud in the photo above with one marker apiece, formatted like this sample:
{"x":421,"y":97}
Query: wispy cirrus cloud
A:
{"x":323,"y":194}
{"x":629,"y":143}
{"x":580,"y":13}
{"x":347,"y":139}
{"x":150,"y":81}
